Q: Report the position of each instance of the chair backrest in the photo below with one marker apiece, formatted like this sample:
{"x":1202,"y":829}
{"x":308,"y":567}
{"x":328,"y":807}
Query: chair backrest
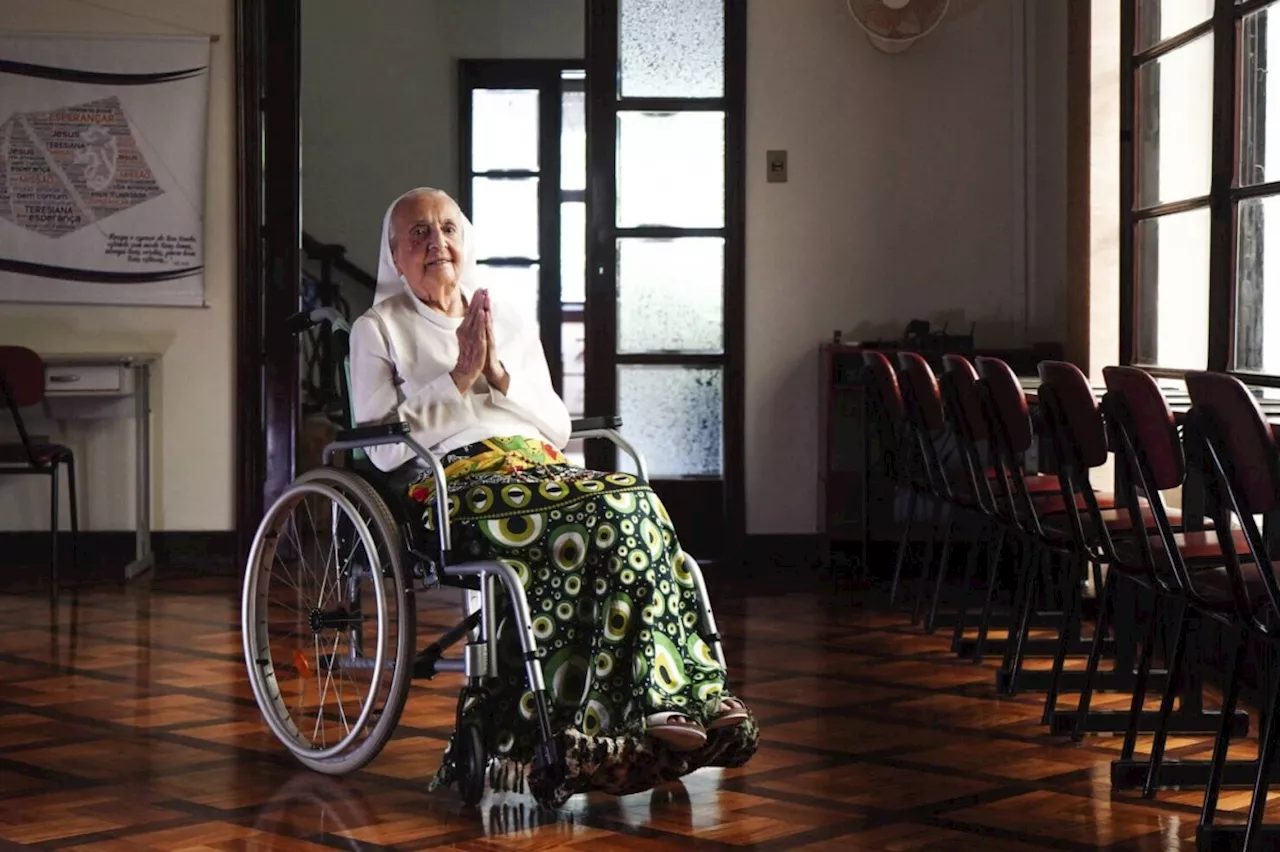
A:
{"x":1150,"y":459}
{"x":22,"y":371}
{"x":883,"y":383}
{"x":1154,"y":432}
{"x":1009,"y":403}
{"x":922,"y":386}
{"x":964,"y":380}
{"x":1242,"y":436}
{"x":1076,"y":422}
{"x":1239,"y":454}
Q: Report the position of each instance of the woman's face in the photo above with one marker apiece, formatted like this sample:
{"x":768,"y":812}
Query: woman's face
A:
{"x":428,"y":244}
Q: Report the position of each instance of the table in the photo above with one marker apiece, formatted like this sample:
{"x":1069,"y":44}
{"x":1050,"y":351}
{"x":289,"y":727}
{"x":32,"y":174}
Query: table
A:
{"x":93,"y":385}
{"x":95,"y":375}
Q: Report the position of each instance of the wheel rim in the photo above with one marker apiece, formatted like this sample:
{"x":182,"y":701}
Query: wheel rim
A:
{"x":328,"y":634}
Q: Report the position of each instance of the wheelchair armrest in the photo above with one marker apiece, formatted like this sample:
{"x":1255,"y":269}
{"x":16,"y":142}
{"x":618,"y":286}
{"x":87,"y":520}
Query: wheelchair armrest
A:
{"x":373,"y":433}
{"x":607,"y":428}
{"x":595,"y":424}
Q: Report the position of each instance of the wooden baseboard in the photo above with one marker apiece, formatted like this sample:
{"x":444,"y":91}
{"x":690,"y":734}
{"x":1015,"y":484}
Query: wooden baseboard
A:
{"x":203,"y":548}
{"x":781,"y":552}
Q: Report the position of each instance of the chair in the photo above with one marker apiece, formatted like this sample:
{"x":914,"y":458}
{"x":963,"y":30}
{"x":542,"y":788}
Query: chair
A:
{"x":1240,"y":452}
{"x":894,"y":438}
{"x":22,"y":386}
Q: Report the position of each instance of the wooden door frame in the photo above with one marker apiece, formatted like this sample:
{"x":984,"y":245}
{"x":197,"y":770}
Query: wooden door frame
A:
{"x":601,"y":61}
{"x":269,"y":248}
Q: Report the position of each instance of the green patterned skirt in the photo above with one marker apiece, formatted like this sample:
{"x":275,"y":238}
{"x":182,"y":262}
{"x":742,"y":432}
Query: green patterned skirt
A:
{"x":615,"y":612}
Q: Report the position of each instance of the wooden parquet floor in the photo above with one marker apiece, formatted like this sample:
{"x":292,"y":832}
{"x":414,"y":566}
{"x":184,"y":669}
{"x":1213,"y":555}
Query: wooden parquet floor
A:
{"x":127,"y":722}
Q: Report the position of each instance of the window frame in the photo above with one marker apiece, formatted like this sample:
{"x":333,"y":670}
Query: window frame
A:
{"x":547,"y":76}
{"x":1225,"y":192}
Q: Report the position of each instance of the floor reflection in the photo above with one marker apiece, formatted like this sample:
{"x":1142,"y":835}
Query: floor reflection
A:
{"x":127,"y":722}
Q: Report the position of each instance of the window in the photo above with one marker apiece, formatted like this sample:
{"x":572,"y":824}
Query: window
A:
{"x":524,"y":156}
{"x":1197,"y":186}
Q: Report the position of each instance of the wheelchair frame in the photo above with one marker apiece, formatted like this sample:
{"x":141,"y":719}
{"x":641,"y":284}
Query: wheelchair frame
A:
{"x":479,"y":580}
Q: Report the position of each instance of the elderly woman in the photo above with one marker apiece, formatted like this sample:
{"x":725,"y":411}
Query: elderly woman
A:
{"x":602,"y":568}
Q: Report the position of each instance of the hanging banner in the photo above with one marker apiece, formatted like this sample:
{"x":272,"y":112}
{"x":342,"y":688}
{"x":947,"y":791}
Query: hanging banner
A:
{"x":102,"y":168}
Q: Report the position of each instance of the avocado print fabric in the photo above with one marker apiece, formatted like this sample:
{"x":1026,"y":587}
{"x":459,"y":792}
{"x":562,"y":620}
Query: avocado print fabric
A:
{"x":615,"y":611}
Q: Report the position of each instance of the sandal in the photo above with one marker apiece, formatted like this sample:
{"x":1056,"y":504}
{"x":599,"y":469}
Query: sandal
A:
{"x":678,"y":731}
{"x":732,"y":712}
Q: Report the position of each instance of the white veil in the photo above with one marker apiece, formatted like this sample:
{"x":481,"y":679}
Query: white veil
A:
{"x":392,"y":283}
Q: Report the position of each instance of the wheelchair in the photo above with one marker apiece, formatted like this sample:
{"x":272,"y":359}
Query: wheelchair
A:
{"x":310,"y":637}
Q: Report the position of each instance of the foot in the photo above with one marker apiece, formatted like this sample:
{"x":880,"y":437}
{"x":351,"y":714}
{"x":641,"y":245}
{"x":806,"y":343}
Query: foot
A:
{"x":732,"y":712}
{"x":678,"y":731}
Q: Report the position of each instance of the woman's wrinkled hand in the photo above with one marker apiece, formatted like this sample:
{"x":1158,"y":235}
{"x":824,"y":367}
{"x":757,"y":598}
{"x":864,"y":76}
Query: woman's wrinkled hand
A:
{"x":494,"y":371}
{"x":473,"y":344}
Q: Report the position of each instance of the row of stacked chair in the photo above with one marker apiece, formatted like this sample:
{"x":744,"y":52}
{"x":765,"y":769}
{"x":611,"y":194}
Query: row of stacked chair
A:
{"x":1208,"y":562}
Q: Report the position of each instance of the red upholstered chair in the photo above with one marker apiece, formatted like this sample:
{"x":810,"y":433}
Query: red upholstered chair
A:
{"x":21,"y":386}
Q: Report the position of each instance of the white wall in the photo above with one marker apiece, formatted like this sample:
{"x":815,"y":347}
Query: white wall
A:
{"x":904,"y":200}
{"x":193,"y":437}
{"x":379,"y":98}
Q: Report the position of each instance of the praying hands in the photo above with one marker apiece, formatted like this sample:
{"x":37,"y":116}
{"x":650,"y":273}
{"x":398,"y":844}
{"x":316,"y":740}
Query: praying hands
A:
{"x":477,"y":353}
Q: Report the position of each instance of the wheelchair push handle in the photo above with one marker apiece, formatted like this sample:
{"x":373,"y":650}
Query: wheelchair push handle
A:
{"x":304,"y":320}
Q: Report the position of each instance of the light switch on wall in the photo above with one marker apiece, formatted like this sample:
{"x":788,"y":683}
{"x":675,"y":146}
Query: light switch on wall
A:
{"x":776,"y":169}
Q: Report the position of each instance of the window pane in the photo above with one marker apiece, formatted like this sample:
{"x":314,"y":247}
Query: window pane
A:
{"x":1161,"y":19}
{"x":1258,"y":285}
{"x":1172,"y":290}
{"x":516,"y":286}
{"x":573,"y":341}
{"x":673,"y":415}
{"x":573,"y":347}
{"x":1175,"y":109}
{"x":573,"y":141}
{"x":1259,"y":99}
{"x":671,"y":169}
{"x":506,"y":217}
{"x":671,"y":295}
{"x":671,"y":48}
{"x":573,"y":251}
{"x":504,"y":129}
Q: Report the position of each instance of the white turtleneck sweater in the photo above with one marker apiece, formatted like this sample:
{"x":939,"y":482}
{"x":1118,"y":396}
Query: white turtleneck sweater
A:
{"x":401,"y":355}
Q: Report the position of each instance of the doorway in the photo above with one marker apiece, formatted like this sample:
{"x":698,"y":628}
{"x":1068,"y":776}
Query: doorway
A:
{"x":649,"y":192}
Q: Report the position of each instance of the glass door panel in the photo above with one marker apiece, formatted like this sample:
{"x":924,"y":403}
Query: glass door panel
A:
{"x":671,"y":169}
{"x":675,"y":414}
{"x":671,"y":48}
{"x":671,"y":295}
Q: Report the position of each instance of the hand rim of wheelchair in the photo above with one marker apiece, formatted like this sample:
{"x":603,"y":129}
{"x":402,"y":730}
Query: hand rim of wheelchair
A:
{"x":344,"y":490}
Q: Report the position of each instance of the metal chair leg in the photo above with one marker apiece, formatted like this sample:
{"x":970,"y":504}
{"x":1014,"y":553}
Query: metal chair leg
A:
{"x":993,"y":568}
{"x":53,"y":529}
{"x":75,"y":512}
{"x":1070,"y":617}
{"x":1095,"y":653}
{"x":1223,"y":742}
{"x":1266,"y":756}
{"x":1166,"y":704}
{"x":1145,"y":653}
{"x":903,"y":543}
{"x":971,"y":568}
{"x":943,"y":564}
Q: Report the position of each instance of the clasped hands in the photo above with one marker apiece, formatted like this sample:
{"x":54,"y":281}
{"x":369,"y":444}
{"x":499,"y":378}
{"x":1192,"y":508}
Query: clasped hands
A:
{"x":477,"y":353}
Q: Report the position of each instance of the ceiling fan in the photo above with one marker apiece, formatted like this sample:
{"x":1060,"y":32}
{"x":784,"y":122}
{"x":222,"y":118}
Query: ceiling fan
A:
{"x":894,"y":25}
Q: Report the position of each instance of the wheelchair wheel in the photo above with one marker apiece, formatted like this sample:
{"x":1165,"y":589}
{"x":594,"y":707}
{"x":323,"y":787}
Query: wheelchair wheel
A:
{"x":329,"y":621}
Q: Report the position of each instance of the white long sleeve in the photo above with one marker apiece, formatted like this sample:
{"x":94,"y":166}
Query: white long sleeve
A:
{"x":401,"y":355}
